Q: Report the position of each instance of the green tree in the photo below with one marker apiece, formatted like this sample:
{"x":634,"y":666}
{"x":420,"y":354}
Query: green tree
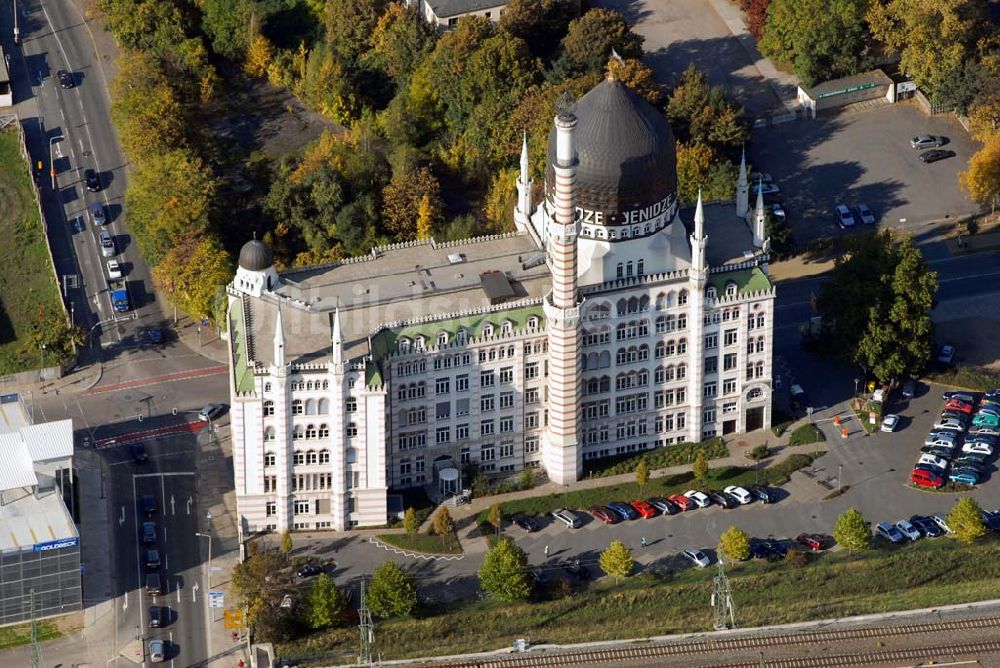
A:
{"x":934,"y":37}
{"x":616,"y":561}
{"x":349,"y":26}
{"x":780,"y":233}
{"x":821,"y":39}
{"x":148,"y":25}
{"x":401,"y":40}
{"x":145,"y":107}
{"x":410,"y":523}
{"x":540,"y":23}
{"x":734,"y":543}
{"x":263,"y":602}
{"x":443,"y":524}
{"x":286,"y":541}
{"x":966,"y":520}
{"x":393,"y":591}
{"x":504,"y":573}
{"x":228,"y":24}
{"x":496,"y":517}
{"x":590,"y":39}
{"x":192,"y":273}
{"x":700,"y":468}
{"x":702,"y":115}
{"x":641,"y":474}
{"x":401,"y":200}
{"x":852,"y":532}
{"x":325,"y":604}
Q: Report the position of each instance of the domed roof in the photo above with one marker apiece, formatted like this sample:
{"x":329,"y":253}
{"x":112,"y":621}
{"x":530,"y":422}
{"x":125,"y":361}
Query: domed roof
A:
{"x":625,"y":149}
{"x":256,"y":256}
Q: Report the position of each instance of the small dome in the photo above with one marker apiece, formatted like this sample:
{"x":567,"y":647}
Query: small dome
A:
{"x":625,"y":150}
{"x":256,"y":256}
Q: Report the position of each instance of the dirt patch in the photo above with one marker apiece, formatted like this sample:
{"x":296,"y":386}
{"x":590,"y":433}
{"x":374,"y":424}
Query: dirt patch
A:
{"x":973,"y":338}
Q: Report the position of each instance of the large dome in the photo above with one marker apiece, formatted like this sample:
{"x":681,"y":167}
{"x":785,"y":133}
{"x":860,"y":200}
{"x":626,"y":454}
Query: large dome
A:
{"x":626,"y":153}
{"x":256,"y":256}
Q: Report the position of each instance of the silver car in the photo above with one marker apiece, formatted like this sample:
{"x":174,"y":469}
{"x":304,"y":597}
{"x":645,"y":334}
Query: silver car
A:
{"x":926,"y":141}
{"x":107,"y":244}
{"x":865,"y":214}
{"x":157,"y":651}
{"x":844,"y":217}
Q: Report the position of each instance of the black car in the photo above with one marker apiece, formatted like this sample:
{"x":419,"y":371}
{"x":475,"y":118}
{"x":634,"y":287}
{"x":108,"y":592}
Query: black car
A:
{"x":526,"y":523}
{"x":769,"y":549}
{"x":991,"y":520}
{"x":93,"y":181}
{"x":65,"y":79}
{"x":722,"y":499}
{"x":665,"y":506}
{"x":761,"y":493}
{"x":158,"y":616}
{"x":309,"y":570}
{"x":577,"y":570}
{"x":154,"y":335}
{"x":926,"y":526}
{"x":139,"y":453}
{"x":935,"y":155}
{"x":968,"y":459}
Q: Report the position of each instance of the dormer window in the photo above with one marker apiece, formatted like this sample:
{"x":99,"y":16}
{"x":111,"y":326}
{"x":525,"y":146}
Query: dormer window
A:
{"x":508,"y":327}
{"x":731,"y":289}
{"x":488,"y":330}
{"x":462,"y":336}
{"x":710,"y":292}
{"x":533,"y":322}
{"x":404,"y":345}
{"x":442,"y":338}
{"x":420,"y":343}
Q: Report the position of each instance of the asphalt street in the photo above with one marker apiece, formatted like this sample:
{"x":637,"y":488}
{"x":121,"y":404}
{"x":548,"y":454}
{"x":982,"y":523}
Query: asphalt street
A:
{"x":74,"y":126}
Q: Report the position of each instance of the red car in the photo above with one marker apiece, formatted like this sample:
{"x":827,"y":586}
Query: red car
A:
{"x":681,"y":501}
{"x":643,"y":508}
{"x":810,"y":541}
{"x":960,"y":406}
{"x":925,"y":478}
{"x":603,"y":514}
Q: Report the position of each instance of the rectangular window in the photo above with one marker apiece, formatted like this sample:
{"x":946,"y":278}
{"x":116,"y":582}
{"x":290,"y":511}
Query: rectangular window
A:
{"x":731,"y":336}
{"x":710,"y":389}
{"x":486,"y":427}
{"x":462,"y":432}
{"x":487,"y":403}
{"x":271,"y":508}
{"x":531,"y":370}
{"x":486,"y":379}
{"x":507,"y":375}
{"x":506,"y":450}
{"x":461,"y":407}
{"x":711,"y":341}
{"x":302,"y":507}
{"x":443,"y":410}
{"x":711,"y":364}
{"x":531,"y":396}
{"x":729,"y":386}
{"x":462,"y":383}
{"x":466,"y":455}
{"x":681,"y":395}
{"x":443,"y":435}
{"x":506,"y":425}
{"x":531,"y":444}
{"x":531,"y":420}
{"x":487,"y":453}
{"x":506,"y":400}
{"x":442,"y":385}
{"x":351,"y":405}
{"x":728,"y":407}
{"x":729,"y":361}
{"x":708,"y":416}
{"x":351,"y":430}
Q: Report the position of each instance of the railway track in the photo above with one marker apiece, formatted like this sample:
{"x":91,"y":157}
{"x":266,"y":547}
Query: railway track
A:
{"x":754,"y":644}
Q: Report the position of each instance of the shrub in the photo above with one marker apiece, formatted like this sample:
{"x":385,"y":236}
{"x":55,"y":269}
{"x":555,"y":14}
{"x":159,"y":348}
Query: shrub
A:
{"x":759,"y":452}
{"x":807,"y":433}
{"x":852,"y":532}
{"x":616,"y":561}
{"x":966,"y":520}
{"x":657,"y":458}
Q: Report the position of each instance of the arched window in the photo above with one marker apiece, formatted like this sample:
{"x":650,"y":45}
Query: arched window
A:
{"x":462,"y":336}
{"x":268,"y":408}
{"x":605,"y":360}
{"x":268,"y":433}
{"x":754,"y":394}
{"x":731,"y":289}
{"x":659,"y":375}
{"x":681,"y":371}
{"x":621,"y":306}
{"x":628,"y":265}
{"x":311,"y":431}
{"x":326,"y":385}
{"x":760,"y":344}
{"x":670,"y":348}
{"x":710,"y":292}
{"x":759,"y":370}
{"x":644,"y":300}
{"x":298,"y":432}
{"x":660,"y":350}
{"x":620,"y":271}
{"x":533,"y":322}
{"x":404,"y":345}
{"x":296,"y":407}
{"x":300,"y":458}
{"x":669,"y":373}
{"x":309,"y":385}
{"x":682,"y":347}
{"x":682,"y":297}
{"x":310,"y":405}
{"x":324,"y":431}
{"x":661,"y":301}
{"x":442,"y":338}
{"x":633,"y":305}
{"x":324,"y":406}
{"x":311,"y":457}
{"x":324,"y":456}
{"x":593,"y":361}
{"x":643,"y":377}
{"x":488,"y":330}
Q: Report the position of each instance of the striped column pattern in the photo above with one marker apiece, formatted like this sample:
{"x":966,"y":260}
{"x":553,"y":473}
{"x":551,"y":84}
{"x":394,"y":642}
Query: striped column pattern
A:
{"x":563,"y":314}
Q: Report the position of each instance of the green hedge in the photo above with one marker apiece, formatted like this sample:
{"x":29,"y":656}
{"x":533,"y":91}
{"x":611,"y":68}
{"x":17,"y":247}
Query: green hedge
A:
{"x":657,"y":458}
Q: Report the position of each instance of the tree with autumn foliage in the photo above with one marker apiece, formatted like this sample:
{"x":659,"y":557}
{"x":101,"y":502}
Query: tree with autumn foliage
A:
{"x":401,"y":200}
{"x":192,"y":273}
{"x":982,"y":179}
{"x":634,"y":74}
{"x":260,"y":55}
{"x":145,"y":107}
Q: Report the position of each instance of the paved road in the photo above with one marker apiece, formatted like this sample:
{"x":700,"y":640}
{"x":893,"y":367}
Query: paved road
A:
{"x":74,"y":124}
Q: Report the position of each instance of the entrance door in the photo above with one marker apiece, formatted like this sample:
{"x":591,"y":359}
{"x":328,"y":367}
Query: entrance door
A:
{"x":728,"y":426}
{"x":755,"y":418}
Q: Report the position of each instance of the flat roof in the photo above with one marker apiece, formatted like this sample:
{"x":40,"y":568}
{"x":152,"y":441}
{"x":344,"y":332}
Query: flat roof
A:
{"x":29,"y":521}
{"x":730,"y":239}
{"x":13,"y":414}
{"x":877,"y":77}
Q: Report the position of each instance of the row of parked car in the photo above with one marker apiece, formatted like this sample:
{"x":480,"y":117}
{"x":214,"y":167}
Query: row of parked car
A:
{"x":963,"y":441}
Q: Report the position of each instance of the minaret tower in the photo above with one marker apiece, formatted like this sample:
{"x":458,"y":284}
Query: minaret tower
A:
{"x":743,"y":189}
{"x":336,"y":371}
{"x":758,"y":218}
{"x":283,"y":429}
{"x":561,"y":453}
{"x":697,"y":278}
{"x":522,"y":212}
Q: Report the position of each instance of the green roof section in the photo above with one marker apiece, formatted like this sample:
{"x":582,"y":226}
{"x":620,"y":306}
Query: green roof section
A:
{"x":242,"y":373}
{"x":373,"y":375}
{"x":384,"y":343}
{"x":747,"y":280}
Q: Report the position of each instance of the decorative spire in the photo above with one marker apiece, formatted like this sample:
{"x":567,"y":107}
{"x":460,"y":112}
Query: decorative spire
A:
{"x":279,"y":341}
{"x":337,"y":339}
{"x":699,"y":242}
{"x":743,"y":189}
{"x":743,"y":167}
{"x":524,"y":156}
{"x":699,"y":218}
{"x":758,"y":216}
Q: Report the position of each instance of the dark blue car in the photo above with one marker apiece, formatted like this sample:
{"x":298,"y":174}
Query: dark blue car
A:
{"x":624,"y":510}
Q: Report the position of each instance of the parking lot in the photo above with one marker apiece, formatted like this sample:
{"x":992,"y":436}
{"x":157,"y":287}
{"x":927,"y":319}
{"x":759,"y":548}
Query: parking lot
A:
{"x":864,"y":156}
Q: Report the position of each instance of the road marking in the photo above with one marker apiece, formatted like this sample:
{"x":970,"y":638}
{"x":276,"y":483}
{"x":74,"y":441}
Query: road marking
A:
{"x":178,"y":591}
{"x":125,"y":604}
{"x":166,"y":567}
{"x":121,"y":520}
{"x":132,"y":437}
{"x":165,"y":378}
{"x":189,"y":505}
{"x":194,"y":593}
{"x":172,"y":511}
{"x":138,"y":557}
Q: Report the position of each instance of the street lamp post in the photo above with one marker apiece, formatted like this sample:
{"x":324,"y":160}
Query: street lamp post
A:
{"x":52,"y":164}
{"x":17,"y":30}
{"x":855,"y":387}
{"x":840,"y":476}
{"x":41,"y":362}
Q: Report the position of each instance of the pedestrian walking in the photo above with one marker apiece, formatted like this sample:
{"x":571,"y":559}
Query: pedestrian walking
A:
{"x":546,"y":550}
{"x":644,"y":541}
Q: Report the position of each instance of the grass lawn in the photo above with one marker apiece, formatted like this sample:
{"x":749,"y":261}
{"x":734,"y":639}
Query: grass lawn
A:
{"x":807,"y":433}
{"x":657,"y":458}
{"x":14,"y":636}
{"x":928,"y":573}
{"x":28,"y":293}
{"x":423,"y":542}
{"x":582,"y":499}
{"x":967,"y":377}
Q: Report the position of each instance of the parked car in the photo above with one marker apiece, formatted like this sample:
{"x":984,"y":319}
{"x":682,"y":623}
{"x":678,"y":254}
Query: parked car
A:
{"x":526,"y":523}
{"x":991,"y":520}
{"x":148,"y":504}
{"x":740,"y":494}
{"x":989,"y":409}
{"x":148,"y":532}
{"x":961,"y":417}
{"x":697,"y":557}
{"x":107,"y":244}
{"x":97,"y":214}
{"x":65,"y":79}
{"x":926,"y":141}
{"x":157,"y":651}
{"x":965,"y":476}
{"x":665,"y":506}
{"x":538,"y":578}
{"x":210,"y":411}
{"x":931,"y":460}
{"x":309,"y":570}
{"x":961,"y":396}
{"x":978,"y":448}
{"x":768,"y":188}
{"x":908,"y":530}
{"x":970,"y":459}
{"x":939,"y":451}
{"x":958,"y":405}
{"x":775,"y":548}
{"x":890,"y":422}
{"x":761,"y":493}
{"x":926,"y":526}
{"x":926,"y":478}
{"x":889,"y":532}
{"x":625,"y":511}
{"x":810,"y":541}
{"x":700,"y":499}
{"x":604,"y":514}
{"x":721,"y":499}
{"x":844,"y":216}
{"x":946,"y":355}
{"x":865,"y":214}
{"x":953,"y":424}
{"x":114,"y":269}
{"x":92,"y":180}
{"x":988,"y":439}
{"x":941,"y":522}
{"x":568,"y":517}
{"x":985,"y":430}
{"x":909,"y":387}
{"x":935,"y":155}
{"x":682,"y":502}
{"x":645,"y":509}
{"x":799,"y":397}
{"x":154,"y":335}
{"x":577,"y":570}
{"x":945,"y":439}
